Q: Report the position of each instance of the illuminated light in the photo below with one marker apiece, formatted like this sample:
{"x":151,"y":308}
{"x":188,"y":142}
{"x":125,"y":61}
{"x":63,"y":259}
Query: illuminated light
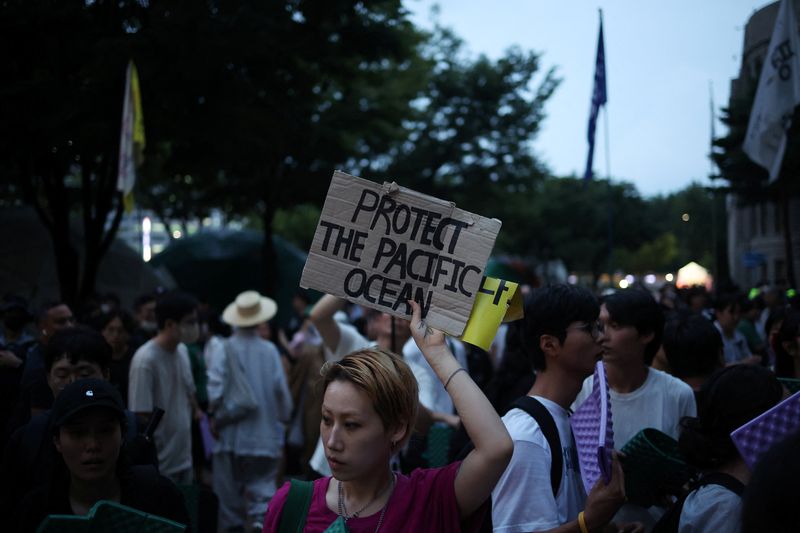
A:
{"x":572,"y":279}
{"x":623,"y":284}
{"x":147,"y":252}
{"x":176,"y":234}
{"x":669,"y":277}
{"x":685,"y":217}
{"x":629,"y":278}
{"x":650,"y":279}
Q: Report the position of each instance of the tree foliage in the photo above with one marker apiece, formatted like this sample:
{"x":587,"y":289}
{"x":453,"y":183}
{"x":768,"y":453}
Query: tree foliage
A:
{"x":248,"y":106}
{"x":470,"y":139}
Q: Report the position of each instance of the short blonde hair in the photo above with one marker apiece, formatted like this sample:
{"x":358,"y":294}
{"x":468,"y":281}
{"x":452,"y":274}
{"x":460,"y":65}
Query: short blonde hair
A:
{"x":385,"y":378}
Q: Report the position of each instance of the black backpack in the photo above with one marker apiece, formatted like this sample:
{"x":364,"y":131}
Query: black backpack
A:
{"x":538,"y":412}
{"x":670,"y":521}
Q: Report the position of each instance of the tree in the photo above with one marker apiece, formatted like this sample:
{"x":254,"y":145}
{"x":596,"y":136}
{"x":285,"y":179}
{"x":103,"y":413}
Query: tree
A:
{"x":60,"y":109}
{"x":695,"y":218}
{"x":567,"y":219}
{"x":248,"y":106}
{"x":287,"y":91}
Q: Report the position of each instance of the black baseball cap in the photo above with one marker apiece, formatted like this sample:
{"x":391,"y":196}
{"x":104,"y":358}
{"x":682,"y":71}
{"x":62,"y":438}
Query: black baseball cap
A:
{"x":85,"y":394}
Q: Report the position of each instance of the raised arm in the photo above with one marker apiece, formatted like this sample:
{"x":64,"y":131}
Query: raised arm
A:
{"x":482,"y":468}
{"x":322,"y":317}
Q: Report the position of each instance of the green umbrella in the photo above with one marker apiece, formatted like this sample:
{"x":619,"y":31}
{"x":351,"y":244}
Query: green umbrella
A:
{"x":216,"y":265}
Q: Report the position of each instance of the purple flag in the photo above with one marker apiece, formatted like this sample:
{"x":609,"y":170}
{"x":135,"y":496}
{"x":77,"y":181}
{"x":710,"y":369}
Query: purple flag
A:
{"x":599,"y":98}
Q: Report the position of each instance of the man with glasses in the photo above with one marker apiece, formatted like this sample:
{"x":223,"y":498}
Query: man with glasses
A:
{"x":631,"y":327}
{"x":160,"y":376}
{"x":560,"y":336}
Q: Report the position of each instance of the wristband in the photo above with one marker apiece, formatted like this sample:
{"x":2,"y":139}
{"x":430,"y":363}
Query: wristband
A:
{"x":456,"y":371}
{"x":582,"y":523}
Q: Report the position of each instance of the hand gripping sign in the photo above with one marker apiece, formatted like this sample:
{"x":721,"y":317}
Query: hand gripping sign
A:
{"x":382,"y":245}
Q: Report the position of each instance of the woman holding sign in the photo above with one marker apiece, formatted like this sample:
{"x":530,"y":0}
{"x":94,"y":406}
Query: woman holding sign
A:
{"x":369,"y":405}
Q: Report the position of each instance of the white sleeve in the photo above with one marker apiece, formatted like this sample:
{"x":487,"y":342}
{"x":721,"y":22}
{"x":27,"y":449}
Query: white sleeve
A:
{"x":711,"y":508}
{"x":688,"y":405}
{"x":424,"y":385}
{"x":141,"y":384}
{"x":350,"y":340}
{"x":216,"y":371}
{"x":523,"y":500}
{"x":186,"y":369}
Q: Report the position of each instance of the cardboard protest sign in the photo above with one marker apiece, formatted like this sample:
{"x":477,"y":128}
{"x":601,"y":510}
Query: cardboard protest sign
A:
{"x":382,"y":245}
{"x":497,"y":301}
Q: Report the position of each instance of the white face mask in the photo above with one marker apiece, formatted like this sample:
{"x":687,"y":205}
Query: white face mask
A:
{"x":148,"y":325}
{"x":190,"y":333}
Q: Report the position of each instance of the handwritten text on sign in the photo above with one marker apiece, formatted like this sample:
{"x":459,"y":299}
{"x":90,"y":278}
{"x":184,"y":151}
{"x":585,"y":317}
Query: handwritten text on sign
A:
{"x":382,"y":245}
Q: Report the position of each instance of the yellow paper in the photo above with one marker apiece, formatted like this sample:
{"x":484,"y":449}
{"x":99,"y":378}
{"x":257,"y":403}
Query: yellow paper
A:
{"x":497,"y":301}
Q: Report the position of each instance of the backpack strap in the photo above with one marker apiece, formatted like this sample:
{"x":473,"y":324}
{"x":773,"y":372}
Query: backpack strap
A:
{"x":295,"y":509}
{"x":670,"y":521}
{"x":539,"y":412}
{"x":722,"y":479}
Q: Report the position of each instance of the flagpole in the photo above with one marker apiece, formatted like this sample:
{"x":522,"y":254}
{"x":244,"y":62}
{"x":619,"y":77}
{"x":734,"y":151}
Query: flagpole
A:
{"x":715,"y":247}
{"x":610,"y":191}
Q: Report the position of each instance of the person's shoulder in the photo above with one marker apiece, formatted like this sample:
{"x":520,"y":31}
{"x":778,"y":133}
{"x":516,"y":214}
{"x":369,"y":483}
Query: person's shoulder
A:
{"x":522,"y":427}
{"x":144,"y":353}
{"x":269,"y":347}
{"x":278,"y":500}
{"x":708,"y":500}
{"x":145,"y":480}
{"x":28,"y":438}
{"x":670,"y":383}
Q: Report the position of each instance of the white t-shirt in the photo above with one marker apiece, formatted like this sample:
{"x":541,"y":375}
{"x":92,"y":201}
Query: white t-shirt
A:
{"x":431,"y":390}
{"x":659,"y":403}
{"x":711,"y":508}
{"x":350,"y":340}
{"x":158,"y":378}
{"x":523,"y":498}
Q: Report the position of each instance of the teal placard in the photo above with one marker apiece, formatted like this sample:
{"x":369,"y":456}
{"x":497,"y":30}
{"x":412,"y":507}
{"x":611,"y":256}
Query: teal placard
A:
{"x":107,"y":516}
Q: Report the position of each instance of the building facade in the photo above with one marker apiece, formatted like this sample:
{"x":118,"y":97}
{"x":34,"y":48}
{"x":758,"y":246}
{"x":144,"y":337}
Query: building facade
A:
{"x":756,"y":241}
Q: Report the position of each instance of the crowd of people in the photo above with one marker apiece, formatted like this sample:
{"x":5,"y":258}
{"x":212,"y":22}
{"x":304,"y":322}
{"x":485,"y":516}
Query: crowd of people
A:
{"x":331,"y":420}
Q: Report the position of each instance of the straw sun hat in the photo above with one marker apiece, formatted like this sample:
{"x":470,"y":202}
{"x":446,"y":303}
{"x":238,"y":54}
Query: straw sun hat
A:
{"x":249,"y":309}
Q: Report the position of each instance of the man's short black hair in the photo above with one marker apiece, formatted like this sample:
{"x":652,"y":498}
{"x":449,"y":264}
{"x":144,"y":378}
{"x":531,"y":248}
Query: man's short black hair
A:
{"x":549,"y":310}
{"x":725,"y":300}
{"x":77,"y":344}
{"x":637,"y":307}
{"x":142,"y":300}
{"x":175,"y":306}
{"x":693,"y":346}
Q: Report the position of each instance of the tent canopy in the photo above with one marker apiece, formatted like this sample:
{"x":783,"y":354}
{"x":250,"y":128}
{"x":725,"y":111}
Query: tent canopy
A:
{"x":693,"y":274}
{"x":216,"y":265}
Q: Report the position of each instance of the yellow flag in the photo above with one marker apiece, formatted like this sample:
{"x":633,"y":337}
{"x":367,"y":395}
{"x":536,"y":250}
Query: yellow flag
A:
{"x":131,"y":139}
